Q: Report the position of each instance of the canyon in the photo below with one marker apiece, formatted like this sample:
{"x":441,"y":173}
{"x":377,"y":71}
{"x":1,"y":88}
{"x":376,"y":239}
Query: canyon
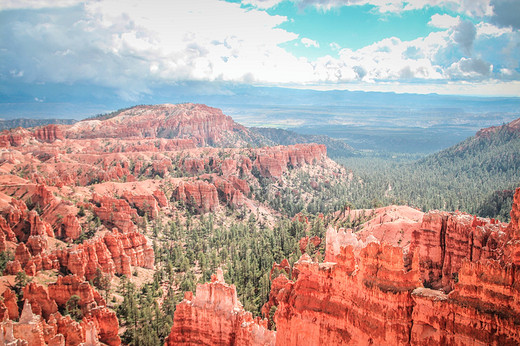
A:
{"x":76,"y":202}
{"x":90,"y":209}
{"x":442,"y":278}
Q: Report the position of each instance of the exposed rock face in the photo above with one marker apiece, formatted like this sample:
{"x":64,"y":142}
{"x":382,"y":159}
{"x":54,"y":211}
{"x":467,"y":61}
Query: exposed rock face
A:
{"x":10,"y":302}
{"x":444,"y":240}
{"x":67,"y":286}
{"x":214,"y":316}
{"x":274,"y":161}
{"x":514,"y":225}
{"x":372,"y":293}
{"x":113,"y":253}
{"x":304,"y":242}
{"x":14,"y":138}
{"x":198,"y":194}
{"x":49,"y":133}
{"x":58,"y":217}
{"x":106,"y":324}
{"x":40,"y":300}
{"x":328,"y":302}
{"x":203,"y":124}
{"x":41,"y":324}
{"x":116,"y":212}
{"x":144,"y":203}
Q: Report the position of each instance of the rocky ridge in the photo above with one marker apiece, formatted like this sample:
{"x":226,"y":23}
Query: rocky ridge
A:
{"x":76,"y":203}
{"x":214,"y":316}
{"x":454,"y":284}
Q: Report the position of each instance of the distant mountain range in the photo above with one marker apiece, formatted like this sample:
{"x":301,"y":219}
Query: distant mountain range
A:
{"x":6,"y":124}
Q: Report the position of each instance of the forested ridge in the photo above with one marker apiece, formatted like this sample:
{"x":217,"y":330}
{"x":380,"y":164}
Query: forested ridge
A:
{"x":477,"y":176}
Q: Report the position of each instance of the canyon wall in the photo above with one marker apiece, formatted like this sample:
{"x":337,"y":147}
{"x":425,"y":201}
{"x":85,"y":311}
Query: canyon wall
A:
{"x":214,"y":316}
{"x":455,"y":281}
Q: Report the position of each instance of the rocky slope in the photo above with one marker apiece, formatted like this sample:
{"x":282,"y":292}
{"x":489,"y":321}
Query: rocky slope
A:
{"x":203,"y":124}
{"x":214,"y":316}
{"x":83,"y":207}
{"x":453,"y":282}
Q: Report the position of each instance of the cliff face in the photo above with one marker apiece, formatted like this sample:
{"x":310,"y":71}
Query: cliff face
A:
{"x":49,"y":133}
{"x":333,"y":303}
{"x":214,"y":316}
{"x":372,"y":293}
{"x":74,"y":201}
{"x":204,"y":125}
{"x":198,"y":194}
{"x":444,"y":240}
{"x":369,"y":292}
{"x":274,"y":161}
{"x":41,"y":324}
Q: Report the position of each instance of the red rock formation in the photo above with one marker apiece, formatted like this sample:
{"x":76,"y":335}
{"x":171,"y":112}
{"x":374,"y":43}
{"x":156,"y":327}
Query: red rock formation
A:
{"x":113,"y":253}
{"x":214,"y":316}
{"x":22,"y":254}
{"x":514,"y":225}
{"x":49,"y":133}
{"x":340,"y":298}
{"x":115,"y":212}
{"x":70,"y":329}
{"x":161,"y":167}
{"x":144,"y":203}
{"x":106,"y":325}
{"x":40,"y":300}
{"x":304,"y":242}
{"x":195,"y":165}
{"x":512,"y":127}
{"x":228,"y":167}
{"x":45,"y":302}
{"x":372,"y":293}
{"x":10,"y":302}
{"x":70,"y":227}
{"x":39,"y":227}
{"x":198,"y":194}
{"x":444,"y":240}
{"x":239,"y":184}
{"x":161,"y":199}
{"x":203,"y":124}
{"x":37,"y":244}
{"x":227,"y":192}
{"x":67,"y":286}
{"x":14,"y":137}
{"x":274,"y":161}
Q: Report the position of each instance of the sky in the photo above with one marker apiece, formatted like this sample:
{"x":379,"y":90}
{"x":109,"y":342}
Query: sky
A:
{"x":132,"y":47}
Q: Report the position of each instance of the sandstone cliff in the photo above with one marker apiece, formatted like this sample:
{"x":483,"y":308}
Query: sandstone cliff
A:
{"x":214,"y":316}
{"x":203,"y":124}
{"x":372,"y":292}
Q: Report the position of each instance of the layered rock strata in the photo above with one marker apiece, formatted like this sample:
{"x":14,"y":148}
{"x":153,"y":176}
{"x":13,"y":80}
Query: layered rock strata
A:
{"x":372,"y":292}
{"x":214,"y":316}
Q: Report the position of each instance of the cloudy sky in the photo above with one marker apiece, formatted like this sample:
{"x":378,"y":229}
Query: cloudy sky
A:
{"x":469,"y":47}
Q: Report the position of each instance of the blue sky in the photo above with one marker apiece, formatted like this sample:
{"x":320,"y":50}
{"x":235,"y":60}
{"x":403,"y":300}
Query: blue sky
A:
{"x":132,"y":47}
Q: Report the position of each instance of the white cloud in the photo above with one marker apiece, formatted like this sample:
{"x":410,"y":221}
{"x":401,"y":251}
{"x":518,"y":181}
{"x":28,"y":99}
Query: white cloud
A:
{"x":443,"y":21}
{"x":464,"y":34}
{"x":141,"y":44}
{"x":307,"y":42}
{"x":262,"y":4}
{"x":486,"y":29}
{"x":145,"y":42}
{"x":36,"y":4}
{"x":477,"y":8}
{"x":470,"y":68}
{"x":334,"y":46}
